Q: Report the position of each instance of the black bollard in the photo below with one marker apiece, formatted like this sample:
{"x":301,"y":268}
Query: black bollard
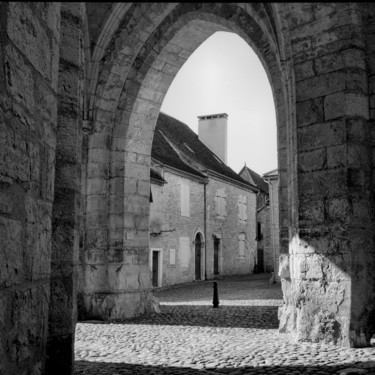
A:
{"x":216,"y":296}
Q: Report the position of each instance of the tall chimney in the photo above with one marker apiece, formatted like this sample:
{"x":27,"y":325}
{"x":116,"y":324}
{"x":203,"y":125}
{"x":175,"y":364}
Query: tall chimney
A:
{"x":212,"y":131}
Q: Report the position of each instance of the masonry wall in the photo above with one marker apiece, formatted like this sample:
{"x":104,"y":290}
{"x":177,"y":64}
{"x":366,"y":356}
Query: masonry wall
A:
{"x":29,"y":55}
{"x":228,"y":230}
{"x":328,"y":283}
{"x":165,"y":217}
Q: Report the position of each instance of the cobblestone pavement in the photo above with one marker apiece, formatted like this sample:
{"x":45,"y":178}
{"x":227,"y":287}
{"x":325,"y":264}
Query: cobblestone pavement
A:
{"x":189,"y":336}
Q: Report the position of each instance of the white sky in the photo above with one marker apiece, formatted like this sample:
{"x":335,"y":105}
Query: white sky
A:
{"x":224,"y":75}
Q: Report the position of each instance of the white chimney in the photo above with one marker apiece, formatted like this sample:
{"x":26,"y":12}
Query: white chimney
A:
{"x":212,"y":131}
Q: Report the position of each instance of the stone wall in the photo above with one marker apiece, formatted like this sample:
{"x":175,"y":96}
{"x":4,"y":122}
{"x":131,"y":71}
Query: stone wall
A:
{"x":67,"y":197}
{"x":319,"y":60}
{"x":29,"y":55}
{"x":165,"y":217}
{"x":228,"y":229}
{"x":329,"y":286}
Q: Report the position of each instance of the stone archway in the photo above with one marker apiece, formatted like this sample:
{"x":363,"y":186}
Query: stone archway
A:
{"x":136,"y":69}
{"x":132,"y":84}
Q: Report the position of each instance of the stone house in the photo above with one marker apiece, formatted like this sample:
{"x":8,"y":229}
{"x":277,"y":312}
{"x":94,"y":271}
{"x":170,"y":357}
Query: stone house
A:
{"x":202,"y":214}
{"x":264,"y":255}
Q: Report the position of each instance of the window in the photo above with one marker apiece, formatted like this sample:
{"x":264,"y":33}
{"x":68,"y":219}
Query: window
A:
{"x":242,"y":209}
{"x":184,"y":252}
{"x":241,"y":245}
{"x":185,"y":199}
{"x":172,"y":257}
{"x":221,"y":200}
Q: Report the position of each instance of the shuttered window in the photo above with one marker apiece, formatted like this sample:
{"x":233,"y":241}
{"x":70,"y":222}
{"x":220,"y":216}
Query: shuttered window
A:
{"x":242,"y":209}
{"x":221,"y":201}
{"x":241,"y":245}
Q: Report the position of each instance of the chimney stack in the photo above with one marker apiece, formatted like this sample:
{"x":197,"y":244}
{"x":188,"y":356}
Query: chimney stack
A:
{"x":212,"y":131}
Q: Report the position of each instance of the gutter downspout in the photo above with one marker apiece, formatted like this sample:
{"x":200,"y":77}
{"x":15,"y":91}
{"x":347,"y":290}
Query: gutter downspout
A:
{"x":273,"y":231}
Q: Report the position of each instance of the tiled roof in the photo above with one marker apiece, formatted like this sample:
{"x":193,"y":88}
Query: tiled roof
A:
{"x":185,"y":140}
{"x":164,"y":152}
{"x":254,"y":178}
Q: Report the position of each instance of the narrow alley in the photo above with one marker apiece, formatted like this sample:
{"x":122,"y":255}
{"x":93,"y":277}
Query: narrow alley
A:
{"x":189,"y":336}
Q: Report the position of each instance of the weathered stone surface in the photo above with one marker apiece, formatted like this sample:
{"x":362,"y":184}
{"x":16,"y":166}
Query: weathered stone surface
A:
{"x":320,"y":60}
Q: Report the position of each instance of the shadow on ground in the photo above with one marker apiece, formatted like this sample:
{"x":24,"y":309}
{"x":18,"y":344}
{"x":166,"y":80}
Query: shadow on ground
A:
{"x":260,"y":317}
{"x":99,"y":368}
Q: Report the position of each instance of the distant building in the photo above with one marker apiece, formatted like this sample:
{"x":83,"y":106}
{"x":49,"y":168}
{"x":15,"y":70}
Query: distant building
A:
{"x":264,"y":259}
{"x":272,"y":178}
{"x":202,"y":214}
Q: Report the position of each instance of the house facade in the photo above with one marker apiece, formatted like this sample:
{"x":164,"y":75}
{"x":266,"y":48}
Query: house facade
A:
{"x":202,"y":214}
{"x":264,"y":255}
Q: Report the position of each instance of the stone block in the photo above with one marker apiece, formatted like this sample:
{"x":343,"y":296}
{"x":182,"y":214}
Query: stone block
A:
{"x":6,"y":203}
{"x":19,"y":79}
{"x":338,"y":208}
{"x":12,"y":266}
{"x":321,"y":135}
{"x":47,"y":102}
{"x":69,"y":147}
{"x":30,"y":37}
{"x":312,"y":160}
{"x":336,"y":156}
{"x":300,"y":14}
{"x":346,"y":104}
{"x":304,"y":70}
{"x":318,"y":86}
{"x":97,"y":170}
{"x":68,"y":176}
{"x":311,"y":210}
{"x":322,"y":183}
{"x":359,"y":155}
{"x":359,"y":130}
{"x":70,"y":48}
{"x":350,"y":58}
{"x":310,"y":112}
{"x":97,"y":186}
{"x":98,"y":155}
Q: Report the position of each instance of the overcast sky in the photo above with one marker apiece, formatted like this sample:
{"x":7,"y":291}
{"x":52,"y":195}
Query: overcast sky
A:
{"x":224,"y":75}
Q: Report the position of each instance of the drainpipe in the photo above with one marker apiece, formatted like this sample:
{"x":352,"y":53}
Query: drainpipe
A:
{"x":273,"y":230}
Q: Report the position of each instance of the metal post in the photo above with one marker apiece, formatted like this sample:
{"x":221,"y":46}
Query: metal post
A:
{"x":216,"y":296}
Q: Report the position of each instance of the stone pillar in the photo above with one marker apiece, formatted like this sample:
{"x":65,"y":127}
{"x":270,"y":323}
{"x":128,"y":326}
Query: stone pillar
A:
{"x":329,"y":276}
{"x":67,"y":199}
{"x":29,"y":37}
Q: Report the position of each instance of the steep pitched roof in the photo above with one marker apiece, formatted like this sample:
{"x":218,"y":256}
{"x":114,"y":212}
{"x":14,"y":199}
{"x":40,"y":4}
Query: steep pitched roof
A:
{"x":171,"y":131}
{"x":165,"y":153}
{"x":254,"y":178}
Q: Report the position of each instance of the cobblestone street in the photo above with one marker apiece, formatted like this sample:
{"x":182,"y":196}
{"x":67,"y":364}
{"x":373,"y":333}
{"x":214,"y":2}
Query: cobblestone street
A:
{"x":189,"y":336}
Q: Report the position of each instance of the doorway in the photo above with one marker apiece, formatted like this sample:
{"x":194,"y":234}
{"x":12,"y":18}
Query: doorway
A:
{"x":198,"y":257}
{"x":156,"y":267}
{"x":260,"y":256}
{"x":216,"y":255}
